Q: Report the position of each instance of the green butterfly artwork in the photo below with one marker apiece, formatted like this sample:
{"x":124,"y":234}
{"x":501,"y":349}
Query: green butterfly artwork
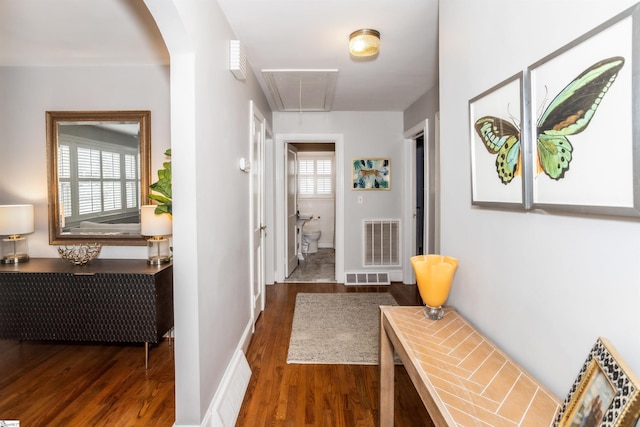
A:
{"x":569,"y":113}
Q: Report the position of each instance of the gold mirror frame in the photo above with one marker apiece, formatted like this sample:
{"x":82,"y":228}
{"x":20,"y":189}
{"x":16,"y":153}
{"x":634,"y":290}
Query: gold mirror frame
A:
{"x":54,"y":119}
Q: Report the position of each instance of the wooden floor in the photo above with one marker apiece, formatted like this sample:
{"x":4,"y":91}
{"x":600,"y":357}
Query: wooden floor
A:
{"x":318,"y":395}
{"x":69,"y":385}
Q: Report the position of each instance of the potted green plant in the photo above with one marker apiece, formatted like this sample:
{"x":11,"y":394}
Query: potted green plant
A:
{"x":163,"y":187}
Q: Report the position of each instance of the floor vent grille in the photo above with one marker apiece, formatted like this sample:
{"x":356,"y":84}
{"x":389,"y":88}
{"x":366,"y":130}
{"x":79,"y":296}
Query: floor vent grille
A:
{"x":228,"y":400}
{"x":356,"y":278}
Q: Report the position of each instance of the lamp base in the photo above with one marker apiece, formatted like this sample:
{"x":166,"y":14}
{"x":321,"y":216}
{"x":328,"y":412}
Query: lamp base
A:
{"x":14,"y":249}
{"x":15,"y":259}
{"x":158,"y":260}
{"x":433,"y":313}
{"x":158,"y":251}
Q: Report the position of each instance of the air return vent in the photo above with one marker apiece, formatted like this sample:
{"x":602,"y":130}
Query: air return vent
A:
{"x":381,"y":242}
{"x":301,"y":90}
{"x":355,"y":278}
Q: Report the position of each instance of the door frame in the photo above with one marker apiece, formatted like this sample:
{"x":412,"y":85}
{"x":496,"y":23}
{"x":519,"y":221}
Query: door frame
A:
{"x":256,"y":118}
{"x":281,"y":141}
{"x":288,"y":267}
{"x":269,"y":205}
{"x":431,"y":173}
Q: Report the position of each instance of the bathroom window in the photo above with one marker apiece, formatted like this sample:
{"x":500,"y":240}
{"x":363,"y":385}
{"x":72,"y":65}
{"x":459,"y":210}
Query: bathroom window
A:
{"x":315,"y":175}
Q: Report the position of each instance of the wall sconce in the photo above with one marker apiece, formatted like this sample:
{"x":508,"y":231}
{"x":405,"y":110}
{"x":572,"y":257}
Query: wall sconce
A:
{"x":365,"y":42}
{"x":157,"y":227}
{"x":14,"y":221}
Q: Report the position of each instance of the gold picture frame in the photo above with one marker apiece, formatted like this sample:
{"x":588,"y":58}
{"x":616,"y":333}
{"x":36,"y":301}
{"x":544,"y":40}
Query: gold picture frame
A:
{"x":605,"y":393}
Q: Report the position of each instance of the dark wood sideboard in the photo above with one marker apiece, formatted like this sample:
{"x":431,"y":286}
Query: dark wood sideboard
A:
{"x":107,"y":300}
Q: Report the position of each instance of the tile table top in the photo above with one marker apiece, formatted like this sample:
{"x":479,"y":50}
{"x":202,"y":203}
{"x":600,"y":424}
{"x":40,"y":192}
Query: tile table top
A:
{"x":474,"y":382}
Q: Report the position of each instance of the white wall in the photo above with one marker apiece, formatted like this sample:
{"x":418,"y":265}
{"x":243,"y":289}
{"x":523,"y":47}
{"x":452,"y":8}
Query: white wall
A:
{"x":28,"y":92}
{"x":423,"y":108}
{"x":366,"y":134}
{"x":543,"y":286}
{"x":210,"y":133}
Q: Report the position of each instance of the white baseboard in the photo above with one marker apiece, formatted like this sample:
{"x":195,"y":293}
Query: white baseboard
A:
{"x":225,"y":406}
{"x":247,"y":334}
{"x":395,"y":275}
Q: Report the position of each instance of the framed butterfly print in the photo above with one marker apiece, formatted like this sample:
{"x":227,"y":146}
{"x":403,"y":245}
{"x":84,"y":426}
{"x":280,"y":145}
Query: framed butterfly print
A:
{"x":605,"y":392}
{"x":497,"y":146}
{"x":585,"y":140}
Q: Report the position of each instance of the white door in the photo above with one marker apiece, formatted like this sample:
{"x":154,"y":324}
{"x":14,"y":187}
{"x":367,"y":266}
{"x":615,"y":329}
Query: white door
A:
{"x":258,"y":228}
{"x":291,"y":184}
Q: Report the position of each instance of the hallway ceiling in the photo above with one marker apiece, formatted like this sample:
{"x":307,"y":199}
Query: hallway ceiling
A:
{"x":314,"y":34}
{"x":277,"y":34}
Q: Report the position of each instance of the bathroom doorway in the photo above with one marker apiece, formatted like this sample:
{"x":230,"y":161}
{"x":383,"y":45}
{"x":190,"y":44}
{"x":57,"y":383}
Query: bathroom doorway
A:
{"x":315,"y":209}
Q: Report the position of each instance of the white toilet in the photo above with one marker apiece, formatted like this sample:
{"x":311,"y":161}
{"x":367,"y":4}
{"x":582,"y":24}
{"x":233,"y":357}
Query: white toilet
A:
{"x":310,"y":237}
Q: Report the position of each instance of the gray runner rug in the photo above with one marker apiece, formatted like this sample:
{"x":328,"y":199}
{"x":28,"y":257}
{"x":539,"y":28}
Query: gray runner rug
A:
{"x":337,"y":329}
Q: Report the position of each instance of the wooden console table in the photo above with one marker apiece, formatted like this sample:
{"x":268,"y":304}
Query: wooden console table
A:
{"x":107,"y":300}
{"x":462,"y":378}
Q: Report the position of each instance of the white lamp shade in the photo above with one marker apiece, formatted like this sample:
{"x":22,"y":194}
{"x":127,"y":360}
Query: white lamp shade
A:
{"x":16,"y":219}
{"x":152,"y":224}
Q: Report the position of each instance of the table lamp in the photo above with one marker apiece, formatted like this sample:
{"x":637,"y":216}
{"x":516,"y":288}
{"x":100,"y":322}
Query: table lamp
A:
{"x":156,"y":226}
{"x":14,"y":221}
{"x":434,"y":274}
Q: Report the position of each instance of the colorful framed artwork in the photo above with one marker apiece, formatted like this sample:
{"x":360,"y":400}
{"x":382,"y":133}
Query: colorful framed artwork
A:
{"x":496,"y":145}
{"x":585,"y":151}
{"x":605,"y":392}
{"x":371,"y":174}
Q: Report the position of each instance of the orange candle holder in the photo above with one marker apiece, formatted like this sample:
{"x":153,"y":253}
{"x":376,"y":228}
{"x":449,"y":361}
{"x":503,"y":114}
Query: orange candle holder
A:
{"x":434,"y":274}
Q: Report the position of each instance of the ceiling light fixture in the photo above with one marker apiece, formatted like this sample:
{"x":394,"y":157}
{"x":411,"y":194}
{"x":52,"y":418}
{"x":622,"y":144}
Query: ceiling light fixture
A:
{"x":365,"y":42}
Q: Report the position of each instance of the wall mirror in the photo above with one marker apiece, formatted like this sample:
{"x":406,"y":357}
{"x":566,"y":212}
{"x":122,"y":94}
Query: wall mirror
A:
{"x":98,"y":165}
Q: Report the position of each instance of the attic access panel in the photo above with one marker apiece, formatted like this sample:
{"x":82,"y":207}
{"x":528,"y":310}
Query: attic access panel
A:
{"x":301,"y":90}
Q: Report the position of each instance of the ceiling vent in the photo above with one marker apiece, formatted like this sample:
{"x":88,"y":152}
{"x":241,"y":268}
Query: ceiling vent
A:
{"x":301,"y":90}
{"x":237,"y":59}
